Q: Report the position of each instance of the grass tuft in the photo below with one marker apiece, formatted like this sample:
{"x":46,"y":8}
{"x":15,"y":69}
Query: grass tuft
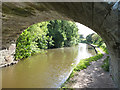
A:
{"x":83,"y":64}
{"x":105,"y":66}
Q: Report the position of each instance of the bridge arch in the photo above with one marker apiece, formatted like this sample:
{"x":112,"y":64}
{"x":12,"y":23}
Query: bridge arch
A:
{"x":99,"y":16}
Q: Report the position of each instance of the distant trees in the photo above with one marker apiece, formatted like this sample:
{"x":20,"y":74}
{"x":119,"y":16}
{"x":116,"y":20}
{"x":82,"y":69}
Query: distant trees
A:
{"x":64,"y":33}
{"x":93,"y":39}
{"x":81,"y":36}
{"x":96,"y":40}
{"x":89,"y":38}
{"x":45,"y":35}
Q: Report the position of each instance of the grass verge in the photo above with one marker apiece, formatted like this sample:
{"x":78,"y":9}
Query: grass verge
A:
{"x":105,"y":66}
{"x":104,"y":49}
{"x":83,"y":64}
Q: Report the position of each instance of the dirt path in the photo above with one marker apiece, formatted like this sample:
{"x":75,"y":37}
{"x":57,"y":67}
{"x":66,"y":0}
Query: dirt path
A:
{"x":92,"y":77}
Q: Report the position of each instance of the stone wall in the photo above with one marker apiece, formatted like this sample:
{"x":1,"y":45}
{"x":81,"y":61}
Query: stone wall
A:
{"x":100,"y":17}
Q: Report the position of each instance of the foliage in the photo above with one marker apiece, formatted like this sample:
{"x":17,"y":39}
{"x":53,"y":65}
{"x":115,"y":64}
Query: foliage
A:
{"x":89,"y":38}
{"x":105,"y":66}
{"x":33,"y":40}
{"x":95,"y":39}
{"x":64,"y":33}
{"x":45,"y":35}
{"x":83,"y":64}
{"x":104,"y":48}
{"x":86,"y":62}
{"x":81,"y":38}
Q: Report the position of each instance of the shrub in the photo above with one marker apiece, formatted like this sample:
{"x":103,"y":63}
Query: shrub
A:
{"x":105,"y":66}
{"x":33,"y":40}
{"x":45,"y":35}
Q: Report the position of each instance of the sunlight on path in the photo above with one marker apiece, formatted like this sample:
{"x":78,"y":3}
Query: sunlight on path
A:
{"x":92,"y":77}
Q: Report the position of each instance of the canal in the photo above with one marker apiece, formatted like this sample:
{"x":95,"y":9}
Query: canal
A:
{"x":48,"y":70}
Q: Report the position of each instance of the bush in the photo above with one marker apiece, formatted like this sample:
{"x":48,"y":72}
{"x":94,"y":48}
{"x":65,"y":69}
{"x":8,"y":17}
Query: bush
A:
{"x":105,"y":66}
{"x":104,"y":48}
{"x":64,"y":33}
{"x":95,"y":39}
{"x":45,"y":35}
{"x":32,"y":41}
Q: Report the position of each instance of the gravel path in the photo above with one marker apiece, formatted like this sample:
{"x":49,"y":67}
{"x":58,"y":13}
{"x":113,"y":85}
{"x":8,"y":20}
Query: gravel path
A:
{"x":92,"y":77}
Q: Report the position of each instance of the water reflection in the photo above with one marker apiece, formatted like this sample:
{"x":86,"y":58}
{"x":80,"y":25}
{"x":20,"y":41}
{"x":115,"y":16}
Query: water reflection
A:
{"x":44,"y":71}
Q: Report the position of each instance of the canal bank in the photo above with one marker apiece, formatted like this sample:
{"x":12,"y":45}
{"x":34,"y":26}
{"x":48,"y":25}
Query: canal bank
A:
{"x":90,"y":76}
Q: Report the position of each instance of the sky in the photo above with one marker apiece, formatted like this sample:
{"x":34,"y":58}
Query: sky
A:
{"x":84,"y":30}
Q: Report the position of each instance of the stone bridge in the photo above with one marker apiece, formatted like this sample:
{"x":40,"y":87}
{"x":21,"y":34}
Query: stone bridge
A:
{"x":102,"y":17}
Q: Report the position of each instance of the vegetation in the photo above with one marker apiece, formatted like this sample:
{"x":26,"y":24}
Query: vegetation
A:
{"x":64,"y":33}
{"x":83,"y":64}
{"x":95,"y":39}
{"x":32,"y":41}
{"x":45,"y":35}
{"x":105,"y":66}
{"x":103,"y":47}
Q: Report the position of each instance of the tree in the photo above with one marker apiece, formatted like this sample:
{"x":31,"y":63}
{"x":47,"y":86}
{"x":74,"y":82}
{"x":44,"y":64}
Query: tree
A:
{"x":45,"y":35}
{"x":64,"y":33}
{"x":89,"y":38}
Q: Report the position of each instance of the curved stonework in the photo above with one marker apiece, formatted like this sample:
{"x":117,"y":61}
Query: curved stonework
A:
{"x":100,"y":17}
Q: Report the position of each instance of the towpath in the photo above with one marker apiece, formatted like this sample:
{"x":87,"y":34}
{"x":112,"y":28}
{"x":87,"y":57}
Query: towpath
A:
{"x":92,"y":77}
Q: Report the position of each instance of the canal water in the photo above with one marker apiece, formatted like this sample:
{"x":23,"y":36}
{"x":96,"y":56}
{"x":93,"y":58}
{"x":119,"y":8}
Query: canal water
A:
{"x":45,"y":71}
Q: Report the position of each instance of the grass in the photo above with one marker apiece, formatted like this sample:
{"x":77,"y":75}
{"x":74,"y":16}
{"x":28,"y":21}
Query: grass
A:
{"x":83,"y":64}
{"x":104,"y":49}
{"x":105,"y":66}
